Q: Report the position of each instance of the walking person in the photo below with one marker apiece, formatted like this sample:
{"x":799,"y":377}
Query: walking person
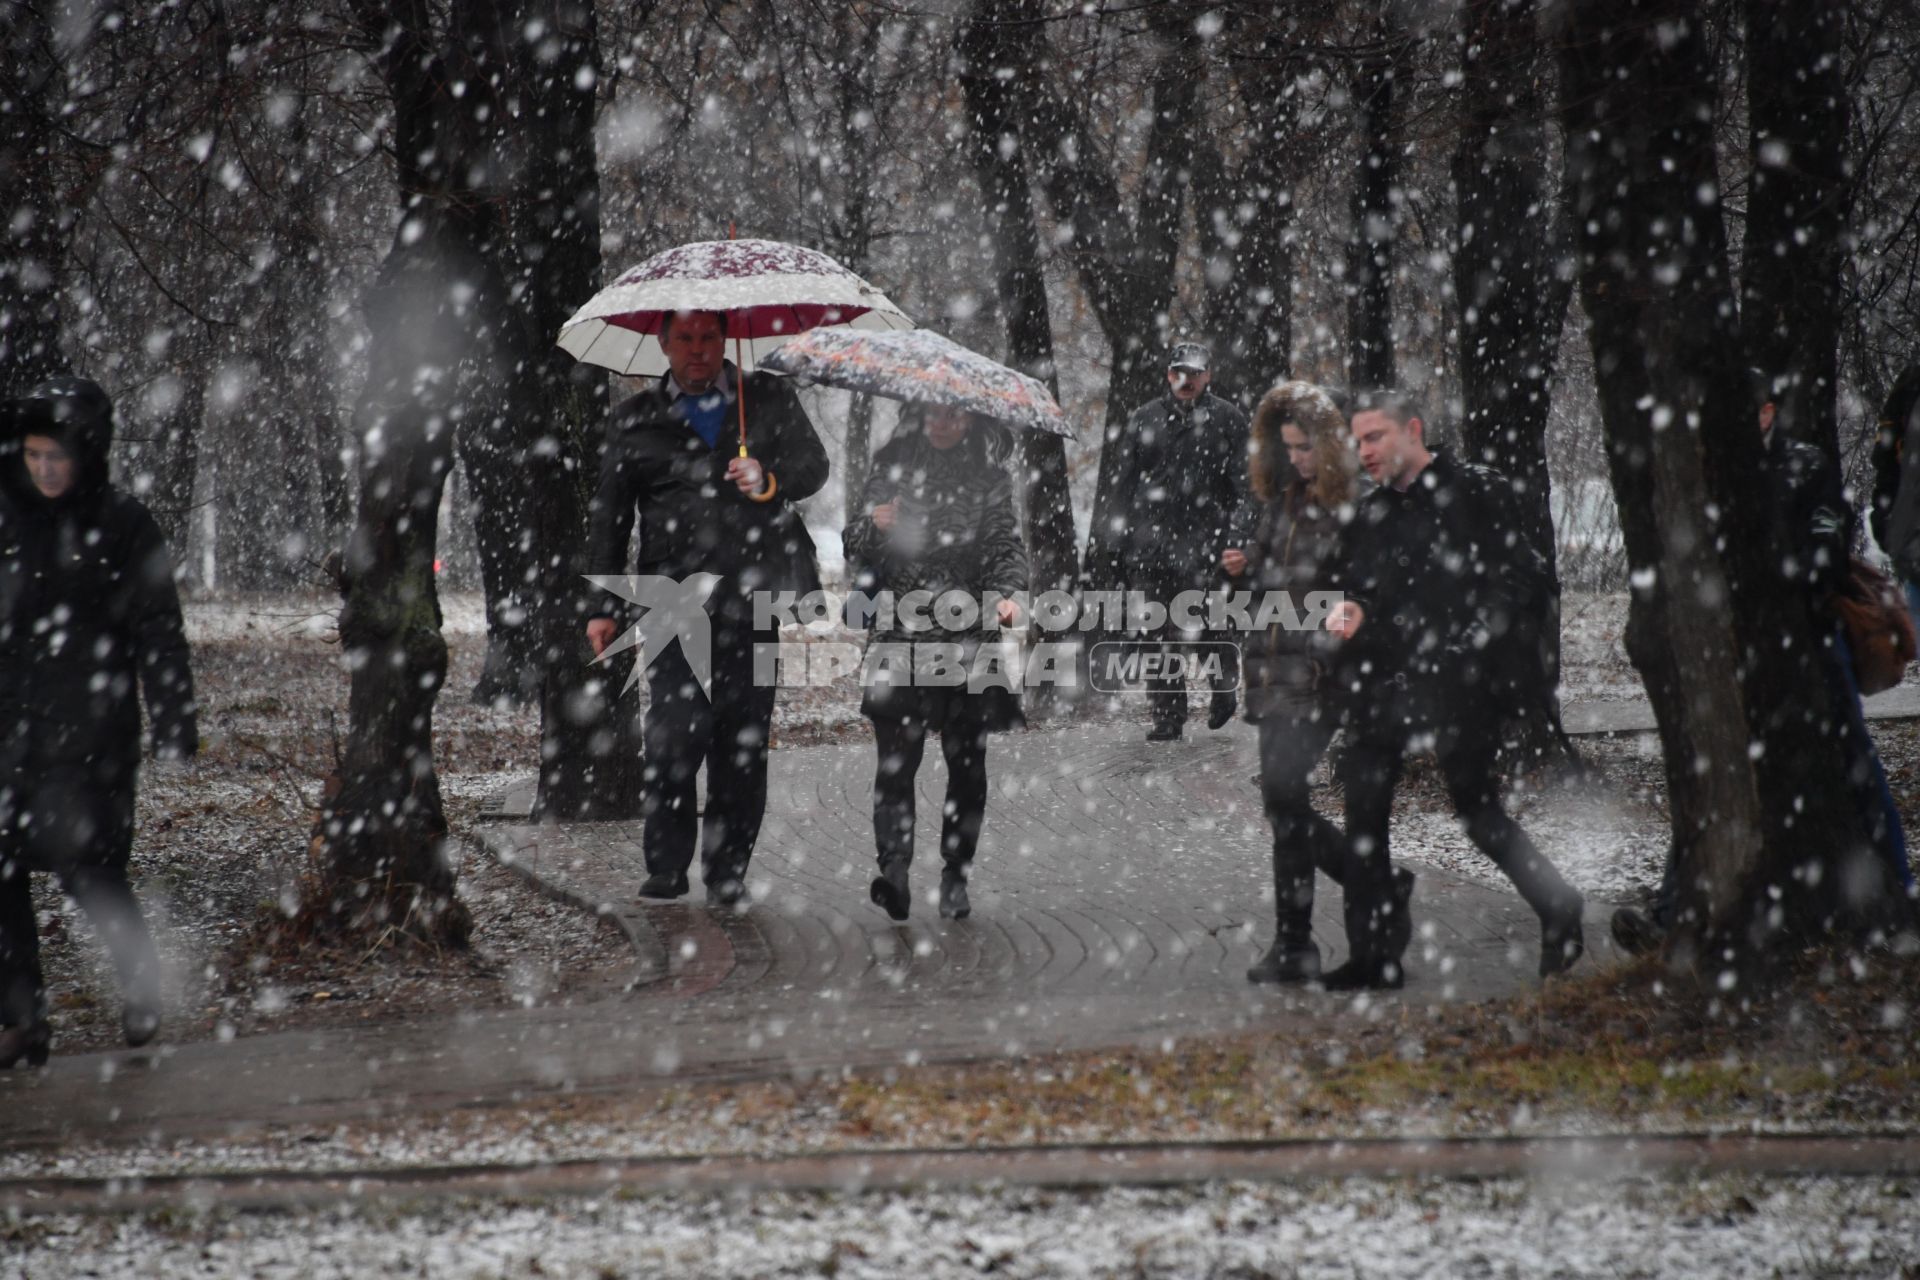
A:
{"x":1303,"y":471}
{"x":706,"y":507}
{"x":89,"y":622}
{"x":1180,"y":475}
{"x":1435,"y":578}
{"x":939,"y":519}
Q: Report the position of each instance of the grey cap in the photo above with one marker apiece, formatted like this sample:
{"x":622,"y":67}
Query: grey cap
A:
{"x":1190,"y":355}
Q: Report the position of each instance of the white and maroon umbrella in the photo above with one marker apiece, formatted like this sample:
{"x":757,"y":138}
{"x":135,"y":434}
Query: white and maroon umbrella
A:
{"x":921,"y":367}
{"x":769,"y":291}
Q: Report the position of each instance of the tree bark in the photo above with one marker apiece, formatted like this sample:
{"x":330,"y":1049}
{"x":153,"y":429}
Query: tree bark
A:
{"x":1374,"y":218}
{"x":1245,"y":220}
{"x":1512,"y":300}
{"x":1797,"y":209}
{"x":1762,"y":824}
{"x":1126,"y":263}
{"x":34,"y":255}
{"x":999,"y":166}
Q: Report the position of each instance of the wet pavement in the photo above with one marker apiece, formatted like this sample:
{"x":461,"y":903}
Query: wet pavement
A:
{"x":1121,"y":890}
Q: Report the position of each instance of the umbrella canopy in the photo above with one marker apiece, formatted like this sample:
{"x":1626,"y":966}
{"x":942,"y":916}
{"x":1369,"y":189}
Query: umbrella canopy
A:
{"x":769,"y":291}
{"x":920,"y":367}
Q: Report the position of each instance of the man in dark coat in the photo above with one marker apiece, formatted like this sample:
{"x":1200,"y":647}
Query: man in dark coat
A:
{"x":673,"y":455}
{"x":1181,"y":489}
{"x":1435,"y":577}
{"x":89,"y":619}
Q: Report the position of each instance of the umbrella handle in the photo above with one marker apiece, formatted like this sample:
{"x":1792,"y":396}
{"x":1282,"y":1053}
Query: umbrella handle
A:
{"x":740,"y":395}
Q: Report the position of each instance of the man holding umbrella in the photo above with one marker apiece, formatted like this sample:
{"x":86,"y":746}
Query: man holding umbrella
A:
{"x":713,"y":483}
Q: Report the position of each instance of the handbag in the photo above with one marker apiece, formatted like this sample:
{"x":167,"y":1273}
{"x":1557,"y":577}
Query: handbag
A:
{"x":1879,"y":629}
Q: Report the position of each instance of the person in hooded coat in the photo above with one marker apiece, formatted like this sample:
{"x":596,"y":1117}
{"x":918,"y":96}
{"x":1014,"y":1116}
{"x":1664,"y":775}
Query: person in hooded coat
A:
{"x":89,"y":620}
{"x":940,"y":519}
{"x":1303,"y":471}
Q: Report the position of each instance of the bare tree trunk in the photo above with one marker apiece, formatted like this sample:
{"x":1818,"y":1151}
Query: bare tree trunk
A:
{"x":1374,"y":218}
{"x":1512,"y":301}
{"x":174,"y":447}
{"x":1245,"y":219}
{"x":33,"y":245}
{"x":1000,"y":167}
{"x":1125,"y":263}
{"x":1765,"y":831}
{"x":1798,"y":207}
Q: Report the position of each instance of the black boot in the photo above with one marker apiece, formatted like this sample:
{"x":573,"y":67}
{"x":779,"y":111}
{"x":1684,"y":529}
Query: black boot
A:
{"x":953,"y":894}
{"x":1165,"y":731}
{"x":29,"y":1043}
{"x":1366,"y":973}
{"x":889,"y":889}
{"x":1563,"y":940}
{"x":1636,"y":933}
{"x":1286,"y":964}
{"x":1225,"y":703}
{"x":1399,"y":932}
{"x":664,"y":884}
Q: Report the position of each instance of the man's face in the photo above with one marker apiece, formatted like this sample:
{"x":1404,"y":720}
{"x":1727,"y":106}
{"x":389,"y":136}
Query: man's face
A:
{"x":1188,"y":384}
{"x":49,"y":465}
{"x":1387,"y":447}
{"x":1766,"y":419}
{"x":695,"y":343}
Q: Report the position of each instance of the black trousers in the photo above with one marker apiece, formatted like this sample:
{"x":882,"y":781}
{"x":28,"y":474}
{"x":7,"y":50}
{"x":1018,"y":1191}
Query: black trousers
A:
{"x":1167,"y":698}
{"x":1370,"y":768}
{"x":62,"y":818}
{"x":728,"y":733}
{"x":1303,"y":841}
{"x":902,"y":744}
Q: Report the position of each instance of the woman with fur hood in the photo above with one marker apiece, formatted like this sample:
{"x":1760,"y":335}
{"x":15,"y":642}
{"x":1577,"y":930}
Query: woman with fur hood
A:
{"x":940,"y":518}
{"x":1304,"y":473}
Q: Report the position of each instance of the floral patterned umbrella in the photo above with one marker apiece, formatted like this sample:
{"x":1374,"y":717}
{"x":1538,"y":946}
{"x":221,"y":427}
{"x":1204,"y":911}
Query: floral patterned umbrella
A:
{"x":769,"y":291}
{"x":920,"y":367}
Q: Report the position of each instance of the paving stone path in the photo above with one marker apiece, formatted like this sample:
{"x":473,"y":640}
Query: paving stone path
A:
{"x":1121,"y":890}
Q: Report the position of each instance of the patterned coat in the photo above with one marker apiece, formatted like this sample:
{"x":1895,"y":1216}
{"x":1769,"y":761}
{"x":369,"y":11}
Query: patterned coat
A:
{"x":956,"y":531}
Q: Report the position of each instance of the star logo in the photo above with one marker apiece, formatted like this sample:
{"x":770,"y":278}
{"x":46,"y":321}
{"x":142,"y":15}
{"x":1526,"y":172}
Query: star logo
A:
{"x":673,"y":611}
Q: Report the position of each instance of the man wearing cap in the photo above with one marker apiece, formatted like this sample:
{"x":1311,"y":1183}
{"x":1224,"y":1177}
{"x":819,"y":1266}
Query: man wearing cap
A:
{"x":1180,"y":485}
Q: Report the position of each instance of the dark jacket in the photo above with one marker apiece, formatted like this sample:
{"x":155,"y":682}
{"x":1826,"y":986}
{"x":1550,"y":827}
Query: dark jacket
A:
{"x":955,"y":530}
{"x":1817,"y":520}
{"x":1290,"y":550}
{"x":1181,"y":488}
{"x":89,"y":617}
{"x":1896,"y":476}
{"x":1447,"y":584}
{"x":692,"y":518}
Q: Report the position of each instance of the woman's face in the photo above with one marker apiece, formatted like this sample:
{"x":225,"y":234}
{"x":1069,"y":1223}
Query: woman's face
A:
{"x":947,"y":427}
{"x":1300,"y":451}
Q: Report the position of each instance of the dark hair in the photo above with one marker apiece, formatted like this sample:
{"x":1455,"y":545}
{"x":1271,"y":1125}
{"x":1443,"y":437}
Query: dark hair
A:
{"x":988,"y":441}
{"x":666,"y":322}
{"x":1393,"y":402}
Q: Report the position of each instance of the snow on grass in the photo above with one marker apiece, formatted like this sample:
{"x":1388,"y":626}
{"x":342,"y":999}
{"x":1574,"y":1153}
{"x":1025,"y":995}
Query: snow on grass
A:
{"x":1634,"y":1226}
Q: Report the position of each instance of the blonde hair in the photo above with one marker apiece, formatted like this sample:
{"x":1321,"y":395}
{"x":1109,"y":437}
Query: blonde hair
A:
{"x":1311,"y":409}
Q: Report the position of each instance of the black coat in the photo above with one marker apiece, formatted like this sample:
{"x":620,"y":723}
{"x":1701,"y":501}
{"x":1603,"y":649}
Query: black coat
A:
{"x":956,"y":531}
{"x":692,"y":518}
{"x":1289,"y":551}
{"x":1450,"y":588}
{"x":1181,"y":487}
{"x":89,"y":619}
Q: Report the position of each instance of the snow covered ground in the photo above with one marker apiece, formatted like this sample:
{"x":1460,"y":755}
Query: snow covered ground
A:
{"x":1722,"y":1226}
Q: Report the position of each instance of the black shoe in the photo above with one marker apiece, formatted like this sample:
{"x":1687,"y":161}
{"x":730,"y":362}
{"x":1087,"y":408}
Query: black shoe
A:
{"x":1400,"y":931}
{"x":1224,"y":705}
{"x":1366,"y":975}
{"x":1635,"y":933}
{"x":1281,"y":965}
{"x":1562,"y":941}
{"x":29,"y":1044}
{"x":727,"y":892}
{"x":953,"y":895}
{"x":663,"y":884}
{"x":140,"y":1023}
{"x":889,"y":890}
{"x":1164,"y":733}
